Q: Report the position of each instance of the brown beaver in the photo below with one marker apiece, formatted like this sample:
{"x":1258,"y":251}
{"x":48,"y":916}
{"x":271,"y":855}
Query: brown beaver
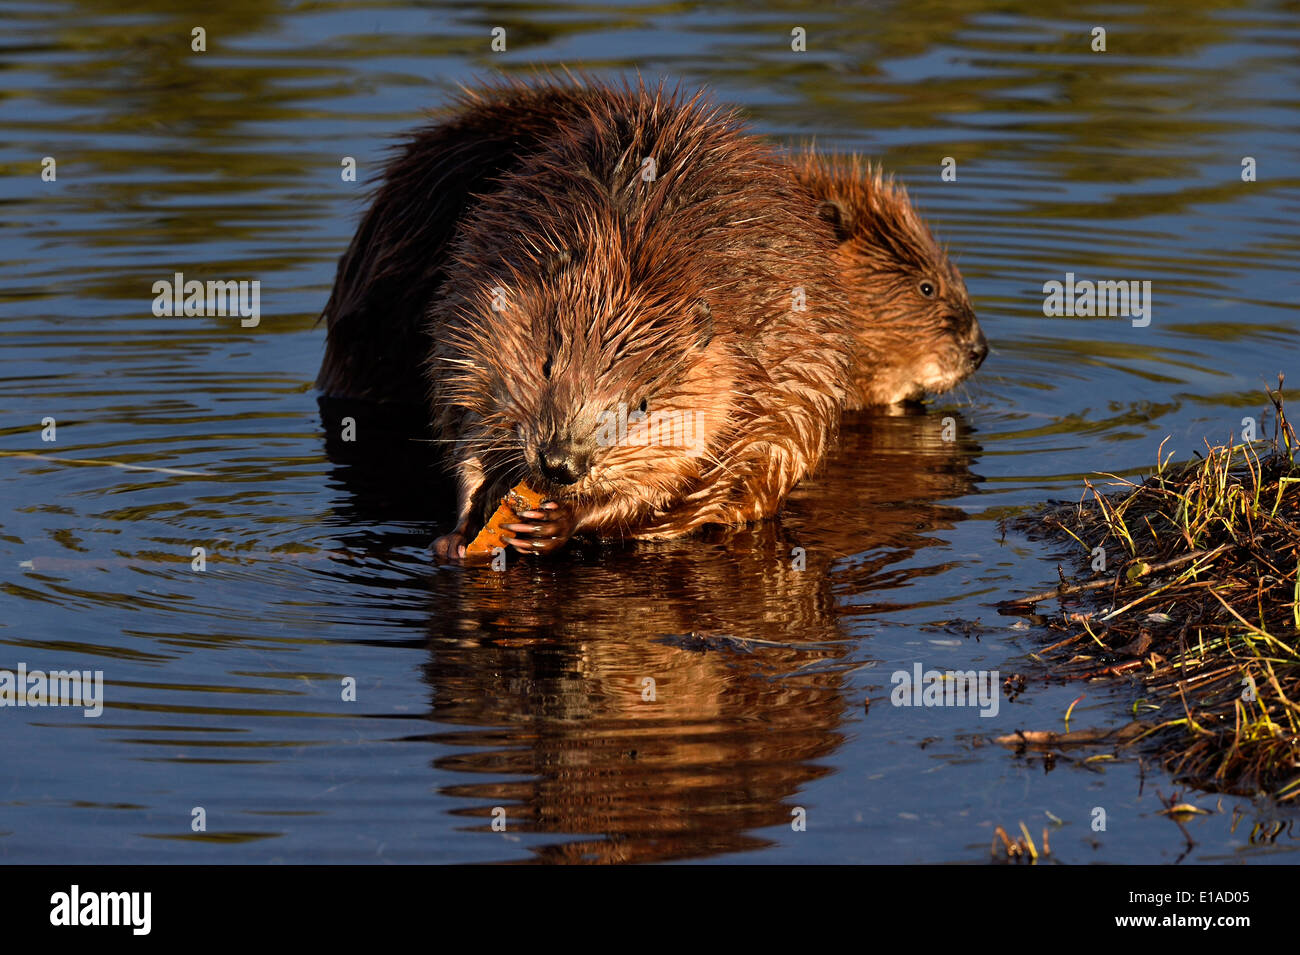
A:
{"x":641,"y":318}
{"x":914,"y":324}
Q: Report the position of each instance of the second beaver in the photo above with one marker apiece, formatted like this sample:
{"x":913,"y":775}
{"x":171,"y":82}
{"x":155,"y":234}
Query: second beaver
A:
{"x":913,"y":322}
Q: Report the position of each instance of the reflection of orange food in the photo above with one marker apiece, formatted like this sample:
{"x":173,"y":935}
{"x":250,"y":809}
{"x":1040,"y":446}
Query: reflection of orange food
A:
{"x":519,"y":498}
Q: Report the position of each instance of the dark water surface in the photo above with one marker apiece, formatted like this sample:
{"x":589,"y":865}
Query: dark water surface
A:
{"x":523,"y":690}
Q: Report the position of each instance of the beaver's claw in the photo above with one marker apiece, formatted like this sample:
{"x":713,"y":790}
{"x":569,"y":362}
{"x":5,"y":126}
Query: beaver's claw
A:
{"x":547,"y":529}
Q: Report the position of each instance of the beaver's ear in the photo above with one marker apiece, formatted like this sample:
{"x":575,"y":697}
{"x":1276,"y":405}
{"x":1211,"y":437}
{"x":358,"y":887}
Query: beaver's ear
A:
{"x":704,"y":322}
{"x":828,"y":210}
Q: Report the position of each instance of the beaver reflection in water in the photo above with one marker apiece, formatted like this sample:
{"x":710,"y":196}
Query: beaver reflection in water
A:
{"x":552,"y":256}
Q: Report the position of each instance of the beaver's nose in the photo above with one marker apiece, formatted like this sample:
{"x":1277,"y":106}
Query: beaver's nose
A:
{"x":561,"y":463}
{"x":979,"y":350}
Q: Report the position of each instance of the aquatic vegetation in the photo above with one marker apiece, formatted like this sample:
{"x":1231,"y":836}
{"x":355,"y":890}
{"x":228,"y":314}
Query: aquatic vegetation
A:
{"x":1195,"y":596}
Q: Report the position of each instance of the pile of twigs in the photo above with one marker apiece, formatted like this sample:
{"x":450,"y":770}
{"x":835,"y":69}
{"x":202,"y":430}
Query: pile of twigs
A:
{"x":1198,"y":600}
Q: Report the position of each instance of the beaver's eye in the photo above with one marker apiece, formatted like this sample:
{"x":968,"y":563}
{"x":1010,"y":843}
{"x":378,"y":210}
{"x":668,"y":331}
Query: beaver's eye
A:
{"x":546,"y":368}
{"x":645,"y":404}
{"x":927,"y":288}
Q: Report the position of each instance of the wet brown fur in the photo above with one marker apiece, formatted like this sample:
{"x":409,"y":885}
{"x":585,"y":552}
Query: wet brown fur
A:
{"x":677,"y":290}
{"x":907,"y":345}
{"x":397,"y":259}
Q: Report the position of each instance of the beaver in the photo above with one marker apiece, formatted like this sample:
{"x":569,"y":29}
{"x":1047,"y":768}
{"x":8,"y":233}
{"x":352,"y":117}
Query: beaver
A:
{"x":913,"y":323}
{"x":640,"y":318}
{"x":912,"y":319}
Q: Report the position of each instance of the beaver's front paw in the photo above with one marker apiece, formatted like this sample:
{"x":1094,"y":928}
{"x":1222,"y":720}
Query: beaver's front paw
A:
{"x":548,"y":529}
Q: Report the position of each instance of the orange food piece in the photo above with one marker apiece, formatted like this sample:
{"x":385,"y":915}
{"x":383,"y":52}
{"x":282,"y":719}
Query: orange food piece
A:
{"x":519,"y":498}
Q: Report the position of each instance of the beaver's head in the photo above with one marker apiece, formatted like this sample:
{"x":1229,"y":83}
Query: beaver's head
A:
{"x":594,"y":372}
{"x":915,"y":327}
